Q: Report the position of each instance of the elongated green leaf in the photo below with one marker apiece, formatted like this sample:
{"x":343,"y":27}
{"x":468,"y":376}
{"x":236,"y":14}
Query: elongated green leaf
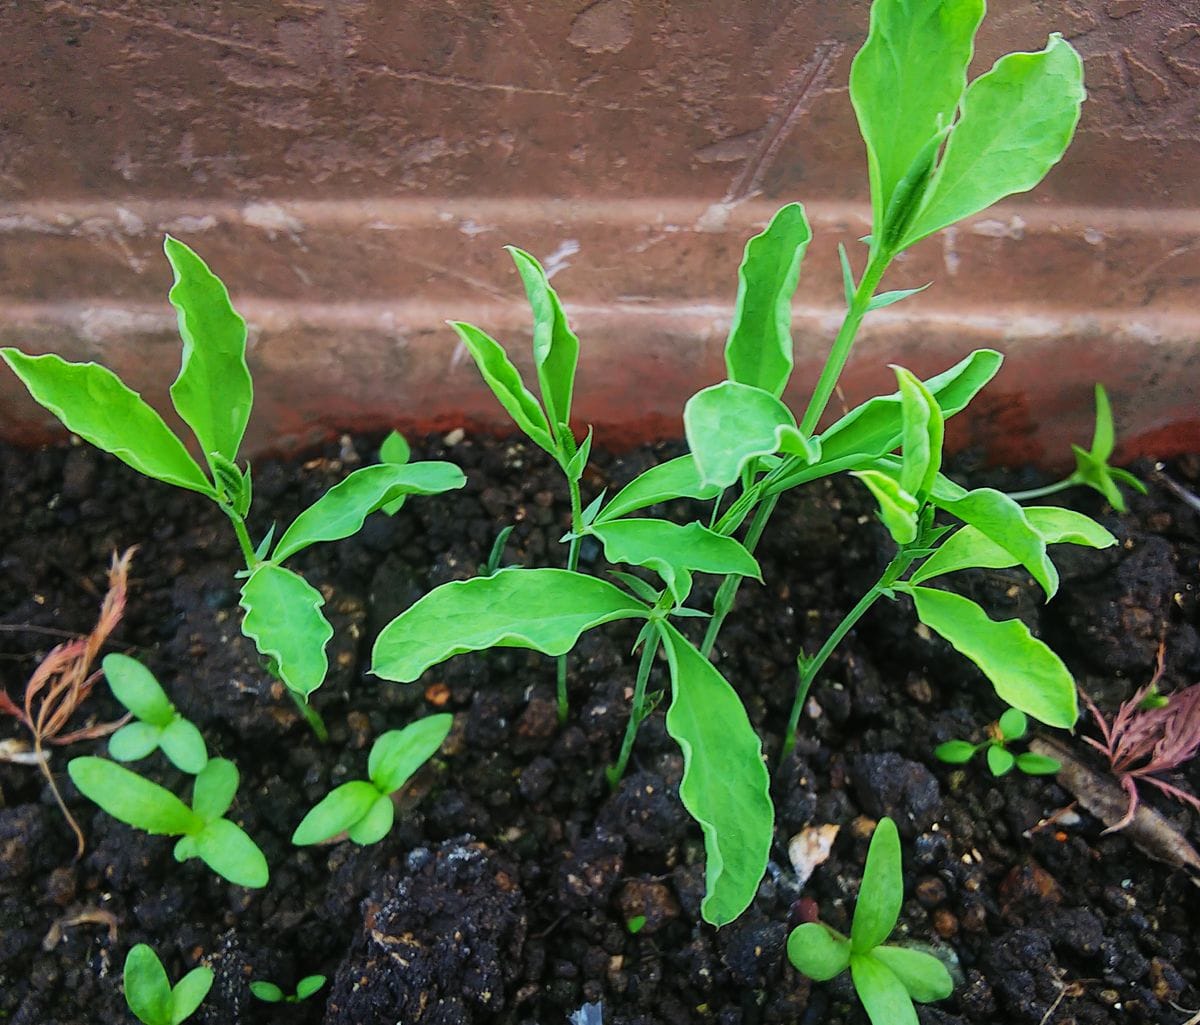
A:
{"x":283,"y":618}
{"x":897,"y":508}
{"x":759,"y":349}
{"x":1103,"y":436}
{"x":922,"y":431}
{"x":94,"y":403}
{"x":1024,"y":671}
{"x":883,"y":995}
{"x":134,"y":741}
{"x":725,"y":785}
{"x":131,"y":798}
{"x":818,"y":951}
{"x":189,"y":993}
{"x":342,"y":510}
{"x":906,"y":83}
{"x":213,"y":392}
{"x":395,"y":449}
{"x":674,"y":552}
{"x":215,"y":787}
{"x":542,"y":609}
{"x":136,"y":688}
{"x":147,"y":988}
{"x":225,"y":848}
{"x":376,"y":824}
{"x":336,"y":812}
{"x":878,"y":302}
{"x":881,"y":892}
{"x":555,"y":347}
{"x":1016,"y":123}
{"x":730,"y":424}
{"x":955,"y":752}
{"x":397,"y":754}
{"x":505,"y":381}
{"x":676,"y":478}
{"x":1037,"y":765}
{"x":922,"y":974}
{"x":183,"y":745}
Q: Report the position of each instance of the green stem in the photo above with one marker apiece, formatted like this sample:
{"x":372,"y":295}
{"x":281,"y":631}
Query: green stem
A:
{"x":311,"y":716}
{"x":637,"y":711}
{"x":1049,"y":489}
{"x":572,"y":565}
{"x":727,"y":592}
{"x":243,"y":536}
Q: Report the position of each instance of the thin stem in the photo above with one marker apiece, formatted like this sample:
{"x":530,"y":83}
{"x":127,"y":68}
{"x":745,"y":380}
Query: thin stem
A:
{"x":727,"y":592}
{"x":637,"y":712}
{"x":311,"y":716}
{"x":572,"y":565}
{"x":243,"y":536}
{"x":1048,"y":489}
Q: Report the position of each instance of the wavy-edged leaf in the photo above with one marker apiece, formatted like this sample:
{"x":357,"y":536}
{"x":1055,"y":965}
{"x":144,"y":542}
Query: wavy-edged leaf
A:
{"x":881,"y":892}
{"x":336,"y":812}
{"x":675,"y":551}
{"x":147,"y":988}
{"x":729,"y":424}
{"x":213,"y":392}
{"x":759,"y":349}
{"x":542,"y":609}
{"x":883,"y":995}
{"x":283,"y":618}
{"x":225,"y":848}
{"x":504,"y":379}
{"x":94,"y":403}
{"x":189,"y":993}
{"x":216,"y":786}
{"x":676,"y":478}
{"x":397,"y":754}
{"x":818,"y":951}
{"x":922,"y":975}
{"x":375,"y":824}
{"x":897,"y":508}
{"x":131,"y":798}
{"x":1026,"y":673}
{"x":137,"y":689}
{"x":1015,"y":124}
{"x":725,"y":786}
{"x":343,"y":509}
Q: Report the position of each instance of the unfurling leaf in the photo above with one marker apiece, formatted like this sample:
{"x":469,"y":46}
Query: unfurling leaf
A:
{"x":897,"y":508}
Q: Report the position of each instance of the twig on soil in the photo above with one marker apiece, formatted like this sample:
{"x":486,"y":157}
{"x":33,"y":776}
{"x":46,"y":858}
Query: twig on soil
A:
{"x":93,"y":916}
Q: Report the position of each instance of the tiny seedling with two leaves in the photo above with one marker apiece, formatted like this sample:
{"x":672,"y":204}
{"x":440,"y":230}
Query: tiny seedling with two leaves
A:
{"x":270,"y":993}
{"x":887,"y":978}
{"x":150,"y":995}
{"x":157,"y":725}
{"x":1011,"y":726}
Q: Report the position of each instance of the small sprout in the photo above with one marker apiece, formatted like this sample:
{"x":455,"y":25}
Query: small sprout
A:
{"x":272,"y":994}
{"x":363,"y":808}
{"x":149,"y":993}
{"x":636,"y":924}
{"x":203,"y":830}
{"x":1011,"y":726}
{"x":157,"y":723}
{"x":887,"y":978}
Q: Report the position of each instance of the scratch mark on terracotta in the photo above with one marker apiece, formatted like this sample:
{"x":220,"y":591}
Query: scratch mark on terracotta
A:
{"x":950,"y":251}
{"x":466,"y":279}
{"x":559,"y":260}
{"x":992,"y":227}
{"x":458,"y":82}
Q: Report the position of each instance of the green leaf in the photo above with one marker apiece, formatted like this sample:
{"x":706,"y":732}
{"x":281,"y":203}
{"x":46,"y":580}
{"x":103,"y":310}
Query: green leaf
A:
{"x":730,"y":424}
{"x":676,"y":478}
{"x":542,"y":609}
{"x":1015,"y":124}
{"x":897,"y":508}
{"x":131,"y":798}
{"x":213,"y":392}
{"x":307,"y":986}
{"x":235,"y":486}
{"x":878,"y":302}
{"x":267,"y":992}
{"x":818,"y":951}
{"x":136,"y":688}
{"x":725,"y":786}
{"x":881,"y":892}
{"x":759,"y":349}
{"x":1091,"y":467}
{"x":955,"y":752}
{"x":336,"y":812}
{"x":189,"y":993}
{"x":283,"y":618}
{"x":183,"y":745}
{"x":922,"y":975}
{"x":674,"y":552}
{"x":147,"y":988}
{"x":638,"y":586}
{"x":578,"y":462}
{"x":343,"y":509}
{"x":214,"y":790}
{"x":1013,"y":724}
{"x":397,"y":754}
{"x":1103,"y":436}
{"x":395,"y":449}
{"x":505,"y":381}
{"x":921,"y":432}
{"x":906,"y":83}
{"x":1037,"y":765}
{"x":376,"y":824}
{"x":848,"y":285}
{"x":94,"y":403}
{"x":133,"y":741}
{"x":225,"y":848}
{"x":999,"y":760}
{"x":883,"y":995}
{"x":555,"y":347}
{"x":1024,"y":671}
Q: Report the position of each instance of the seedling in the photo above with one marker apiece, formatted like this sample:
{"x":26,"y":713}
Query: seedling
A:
{"x":363,"y":808}
{"x":272,"y":994}
{"x":202,"y":829}
{"x":938,"y":150}
{"x":213,"y":395}
{"x":157,"y":725}
{"x":1012,"y":725}
{"x":887,"y":978}
{"x":149,"y":993}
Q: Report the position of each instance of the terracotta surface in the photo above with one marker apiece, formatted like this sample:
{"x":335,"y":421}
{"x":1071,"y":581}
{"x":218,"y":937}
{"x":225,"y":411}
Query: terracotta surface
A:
{"x":353,"y":168}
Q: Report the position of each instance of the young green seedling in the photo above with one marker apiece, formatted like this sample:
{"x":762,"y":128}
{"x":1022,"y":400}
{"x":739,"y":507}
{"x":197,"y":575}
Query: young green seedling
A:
{"x":269,"y":993}
{"x":1012,"y":725}
{"x":213,"y":395}
{"x":202,"y":829}
{"x":887,"y":978}
{"x":149,"y":993}
{"x":157,"y":725}
{"x":363,"y":808}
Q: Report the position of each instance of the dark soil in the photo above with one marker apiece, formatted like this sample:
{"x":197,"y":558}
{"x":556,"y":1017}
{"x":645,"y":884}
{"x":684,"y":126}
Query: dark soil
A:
{"x":504,"y":891}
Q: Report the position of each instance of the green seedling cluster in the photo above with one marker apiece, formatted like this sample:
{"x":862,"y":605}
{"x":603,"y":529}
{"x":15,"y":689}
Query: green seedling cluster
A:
{"x":887,"y":978}
{"x":157,"y":725}
{"x":269,"y":993}
{"x":149,"y":992}
{"x":1012,"y":725}
{"x":363,"y":809}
